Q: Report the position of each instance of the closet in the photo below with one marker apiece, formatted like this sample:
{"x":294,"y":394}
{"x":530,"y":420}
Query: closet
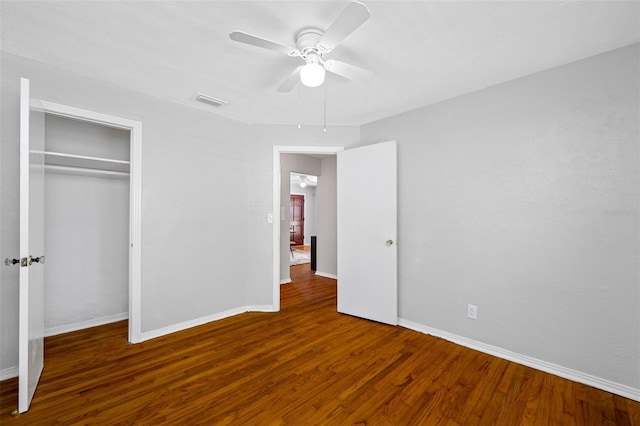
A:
{"x":86,"y":224}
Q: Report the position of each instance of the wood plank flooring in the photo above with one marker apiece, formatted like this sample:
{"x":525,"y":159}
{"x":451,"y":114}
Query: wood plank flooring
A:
{"x":306,"y":365}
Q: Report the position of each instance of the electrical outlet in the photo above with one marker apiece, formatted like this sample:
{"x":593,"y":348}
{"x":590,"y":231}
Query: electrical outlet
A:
{"x":472,"y":311}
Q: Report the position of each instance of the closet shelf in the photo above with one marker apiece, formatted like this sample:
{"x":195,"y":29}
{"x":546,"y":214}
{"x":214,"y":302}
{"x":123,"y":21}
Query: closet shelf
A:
{"x":85,"y":162}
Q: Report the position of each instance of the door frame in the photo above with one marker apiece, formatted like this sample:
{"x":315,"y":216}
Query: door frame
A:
{"x":277,"y":150}
{"x":135,"y":199}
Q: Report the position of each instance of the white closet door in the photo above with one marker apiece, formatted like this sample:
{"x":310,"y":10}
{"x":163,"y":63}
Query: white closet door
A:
{"x":31,"y":333}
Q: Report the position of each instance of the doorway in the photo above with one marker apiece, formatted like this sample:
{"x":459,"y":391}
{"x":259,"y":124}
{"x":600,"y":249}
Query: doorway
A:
{"x":34,"y":158}
{"x":278,"y":242}
{"x":296,"y":222}
{"x":303,"y":216}
{"x":376,"y":237}
{"x":135,"y":196}
{"x":303,"y":210}
{"x":86,"y":216}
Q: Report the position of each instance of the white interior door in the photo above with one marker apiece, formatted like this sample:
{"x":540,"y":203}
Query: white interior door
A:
{"x":31,"y":333}
{"x":367,"y":228}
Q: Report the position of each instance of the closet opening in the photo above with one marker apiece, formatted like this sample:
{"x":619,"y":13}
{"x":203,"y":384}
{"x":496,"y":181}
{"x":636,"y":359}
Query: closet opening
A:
{"x":87,"y":226}
{"x":106,"y":162}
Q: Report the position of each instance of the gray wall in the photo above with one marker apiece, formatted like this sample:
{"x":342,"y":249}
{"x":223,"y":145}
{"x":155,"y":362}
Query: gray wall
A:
{"x":326,"y":196}
{"x":523,"y":199}
{"x":86,"y":230}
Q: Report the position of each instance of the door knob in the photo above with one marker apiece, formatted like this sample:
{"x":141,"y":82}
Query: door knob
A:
{"x":9,"y":262}
{"x":389,"y":242}
{"x":39,"y":259}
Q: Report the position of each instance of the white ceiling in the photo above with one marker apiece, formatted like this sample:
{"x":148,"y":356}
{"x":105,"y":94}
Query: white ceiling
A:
{"x":297,"y":178}
{"x":421,"y":51}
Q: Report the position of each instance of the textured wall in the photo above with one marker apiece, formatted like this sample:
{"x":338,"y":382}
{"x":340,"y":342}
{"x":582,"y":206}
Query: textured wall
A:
{"x":523,"y":200}
{"x":327,"y":261}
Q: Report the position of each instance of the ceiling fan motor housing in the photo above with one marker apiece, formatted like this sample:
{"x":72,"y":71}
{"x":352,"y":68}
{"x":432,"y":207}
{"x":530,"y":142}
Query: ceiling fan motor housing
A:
{"x":307,"y":42}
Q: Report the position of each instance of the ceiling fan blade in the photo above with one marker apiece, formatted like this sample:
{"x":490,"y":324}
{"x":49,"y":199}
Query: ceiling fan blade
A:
{"x":246,"y":38}
{"x":291,"y":81}
{"x":347,"y":71}
{"x":354,"y":15}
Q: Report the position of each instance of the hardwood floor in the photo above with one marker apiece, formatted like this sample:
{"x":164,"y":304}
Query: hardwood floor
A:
{"x":305,"y":365}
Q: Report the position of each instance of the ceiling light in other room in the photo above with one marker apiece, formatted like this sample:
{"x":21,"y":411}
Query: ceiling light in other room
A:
{"x":312,"y":74}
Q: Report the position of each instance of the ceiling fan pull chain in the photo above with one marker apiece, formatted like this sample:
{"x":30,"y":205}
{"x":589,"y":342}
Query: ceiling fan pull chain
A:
{"x":299,"y":126}
{"x":325,"y":109}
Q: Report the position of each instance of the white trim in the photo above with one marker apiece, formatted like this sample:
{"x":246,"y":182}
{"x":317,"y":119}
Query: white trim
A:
{"x":260,"y":308}
{"x":90,"y":116}
{"x":53,"y":331}
{"x":147,"y":335}
{"x":326,"y":274}
{"x":23,"y":312}
{"x":276,"y":228}
{"x":9,"y":373}
{"x":286,"y":281}
{"x":135,"y":200}
{"x":277,"y":150}
{"x":548,"y":367}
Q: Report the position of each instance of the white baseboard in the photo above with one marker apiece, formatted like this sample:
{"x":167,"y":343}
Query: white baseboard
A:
{"x":191,"y":323}
{"x":286,"y":281}
{"x":260,"y":308}
{"x":8,"y":373}
{"x":84,"y":324}
{"x":327,"y":275}
{"x":558,"y":370}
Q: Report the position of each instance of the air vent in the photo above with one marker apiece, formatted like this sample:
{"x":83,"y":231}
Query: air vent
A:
{"x":210,"y":100}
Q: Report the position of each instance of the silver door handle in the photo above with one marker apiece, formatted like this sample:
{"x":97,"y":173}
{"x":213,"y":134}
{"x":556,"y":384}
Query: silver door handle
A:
{"x":389,"y":242}
{"x":9,"y":262}
{"x":23,"y":261}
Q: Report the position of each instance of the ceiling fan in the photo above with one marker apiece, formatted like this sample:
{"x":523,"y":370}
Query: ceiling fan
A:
{"x":312,"y":45}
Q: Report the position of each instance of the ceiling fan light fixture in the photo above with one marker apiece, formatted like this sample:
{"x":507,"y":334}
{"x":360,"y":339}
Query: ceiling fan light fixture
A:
{"x":312,"y":74}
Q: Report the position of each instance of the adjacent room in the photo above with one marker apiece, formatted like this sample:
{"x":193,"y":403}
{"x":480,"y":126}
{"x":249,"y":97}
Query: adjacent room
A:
{"x":305,"y":212}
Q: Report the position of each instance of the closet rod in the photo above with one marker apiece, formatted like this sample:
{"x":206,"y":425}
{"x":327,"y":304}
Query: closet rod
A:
{"x":79,"y":157}
{"x":85,"y":171}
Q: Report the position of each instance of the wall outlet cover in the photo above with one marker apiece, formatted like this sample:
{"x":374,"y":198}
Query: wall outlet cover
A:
{"x":472,"y":311}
